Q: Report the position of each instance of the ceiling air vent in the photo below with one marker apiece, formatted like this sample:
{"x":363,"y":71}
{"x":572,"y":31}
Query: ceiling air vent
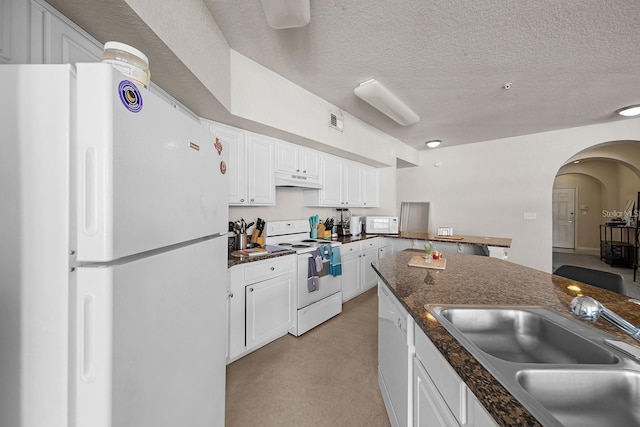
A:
{"x":335,"y":121}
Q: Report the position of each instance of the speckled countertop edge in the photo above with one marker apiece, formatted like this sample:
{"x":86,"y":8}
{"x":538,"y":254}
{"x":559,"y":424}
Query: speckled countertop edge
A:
{"x":472,"y":279}
{"x":467,"y":240}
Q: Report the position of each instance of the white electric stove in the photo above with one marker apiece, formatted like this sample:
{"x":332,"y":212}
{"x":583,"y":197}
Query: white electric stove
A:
{"x":316,"y":306}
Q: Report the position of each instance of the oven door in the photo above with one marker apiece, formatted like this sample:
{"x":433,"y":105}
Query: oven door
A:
{"x":328,"y":284}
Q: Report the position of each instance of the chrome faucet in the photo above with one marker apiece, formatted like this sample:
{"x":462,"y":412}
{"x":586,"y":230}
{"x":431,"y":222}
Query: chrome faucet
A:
{"x":590,"y":309}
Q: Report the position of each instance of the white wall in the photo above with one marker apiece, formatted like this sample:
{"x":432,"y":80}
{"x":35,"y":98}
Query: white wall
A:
{"x":485,"y":188}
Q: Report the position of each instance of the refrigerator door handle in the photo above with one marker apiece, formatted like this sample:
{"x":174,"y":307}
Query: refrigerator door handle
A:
{"x":94,"y":346}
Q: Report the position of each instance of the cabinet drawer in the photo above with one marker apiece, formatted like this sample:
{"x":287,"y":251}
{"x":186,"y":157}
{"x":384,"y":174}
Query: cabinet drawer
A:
{"x":370,"y":244}
{"x":261,"y":270}
{"x":449,"y":384}
{"x":350,"y":248}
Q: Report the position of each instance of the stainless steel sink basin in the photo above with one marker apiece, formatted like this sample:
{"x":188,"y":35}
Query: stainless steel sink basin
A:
{"x":586,"y":397}
{"x":524,"y":336}
{"x":564,"y":371}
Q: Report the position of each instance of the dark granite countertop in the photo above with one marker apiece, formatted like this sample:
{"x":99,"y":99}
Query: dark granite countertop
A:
{"x":233,"y":260}
{"x":472,"y":279}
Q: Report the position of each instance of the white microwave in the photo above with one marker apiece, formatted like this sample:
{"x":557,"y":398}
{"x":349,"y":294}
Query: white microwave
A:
{"x":381,"y":225}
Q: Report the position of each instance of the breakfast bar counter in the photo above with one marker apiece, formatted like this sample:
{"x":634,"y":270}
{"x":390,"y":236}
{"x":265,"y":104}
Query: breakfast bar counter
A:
{"x":478,"y":280}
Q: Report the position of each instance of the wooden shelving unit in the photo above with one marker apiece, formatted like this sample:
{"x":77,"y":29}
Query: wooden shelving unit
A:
{"x":618,"y":245}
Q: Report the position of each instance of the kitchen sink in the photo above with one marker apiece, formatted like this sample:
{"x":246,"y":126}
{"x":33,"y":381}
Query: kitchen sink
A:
{"x":564,"y":371}
{"x":524,"y":336}
{"x":586,"y":397}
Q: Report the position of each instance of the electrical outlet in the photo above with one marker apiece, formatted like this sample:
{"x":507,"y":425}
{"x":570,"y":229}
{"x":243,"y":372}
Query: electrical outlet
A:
{"x":529,"y":215}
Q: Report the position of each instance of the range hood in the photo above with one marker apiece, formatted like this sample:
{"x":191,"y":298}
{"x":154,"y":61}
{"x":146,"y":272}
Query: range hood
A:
{"x":284,"y":179}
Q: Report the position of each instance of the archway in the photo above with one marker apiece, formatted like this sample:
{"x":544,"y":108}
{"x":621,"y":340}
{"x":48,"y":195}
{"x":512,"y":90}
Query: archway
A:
{"x":606,"y":177}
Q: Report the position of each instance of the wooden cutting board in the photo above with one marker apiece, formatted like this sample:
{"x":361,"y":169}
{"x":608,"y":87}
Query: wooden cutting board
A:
{"x":419,"y":261}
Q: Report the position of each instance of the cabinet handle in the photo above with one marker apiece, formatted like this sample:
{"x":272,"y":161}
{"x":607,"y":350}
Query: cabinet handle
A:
{"x":252,"y":200}
{"x":242,"y":200}
{"x":230,"y":294}
{"x":304,"y":171}
{"x":250,"y":289}
{"x":273,"y":268}
{"x":297,"y":170}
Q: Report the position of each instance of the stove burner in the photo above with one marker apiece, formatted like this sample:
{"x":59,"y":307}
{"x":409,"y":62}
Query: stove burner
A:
{"x":300,"y":246}
{"x":308,"y":241}
{"x":284,"y":244}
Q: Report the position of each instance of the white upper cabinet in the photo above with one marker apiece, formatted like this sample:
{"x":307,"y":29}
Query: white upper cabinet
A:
{"x":260,"y":163}
{"x":352,"y":184}
{"x":56,"y":40}
{"x":295,"y":159}
{"x":251,"y":165}
{"x":370,"y":186}
{"x":345,"y":184}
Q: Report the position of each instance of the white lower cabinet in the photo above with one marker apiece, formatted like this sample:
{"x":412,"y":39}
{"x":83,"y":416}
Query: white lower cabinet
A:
{"x":429,"y":408}
{"x":357,"y":273}
{"x":268,"y":306}
{"x":437,"y":396}
{"x":440,"y":397}
{"x":260,"y":304}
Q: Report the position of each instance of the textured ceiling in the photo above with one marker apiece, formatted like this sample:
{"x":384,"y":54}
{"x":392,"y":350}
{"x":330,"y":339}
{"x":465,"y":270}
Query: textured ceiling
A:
{"x":570,"y":62}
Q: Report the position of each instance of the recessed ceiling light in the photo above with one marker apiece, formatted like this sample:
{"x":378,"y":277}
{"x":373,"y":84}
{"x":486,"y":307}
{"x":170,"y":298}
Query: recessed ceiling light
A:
{"x":632,"y":110}
{"x":434,"y":143}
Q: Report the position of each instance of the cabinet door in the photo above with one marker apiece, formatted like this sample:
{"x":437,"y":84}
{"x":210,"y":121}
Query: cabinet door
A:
{"x":429,"y":409}
{"x":369,"y":276}
{"x":352,"y":184}
{"x":370,"y":187}
{"x":233,"y":140}
{"x":287,"y":157}
{"x":310,"y":162}
{"x":56,"y":40}
{"x":14,"y":34}
{"x":269,"y":313}
{"x":235,"y":314}
{"x":351,"y":275}
{"x":331,"y":176}
{"x":261,"y":186}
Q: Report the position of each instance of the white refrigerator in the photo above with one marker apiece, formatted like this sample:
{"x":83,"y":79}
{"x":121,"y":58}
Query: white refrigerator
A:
{"x":114,"y":254}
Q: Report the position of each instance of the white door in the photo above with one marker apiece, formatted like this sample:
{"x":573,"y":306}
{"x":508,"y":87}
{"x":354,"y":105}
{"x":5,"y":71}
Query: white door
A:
{"x":233,"y":140}
{"x":148,"y":176}
{"x":149,"y":340}
{"x":351,"y":275}
{"x":429,"y":408}
{"x":564,"y":217}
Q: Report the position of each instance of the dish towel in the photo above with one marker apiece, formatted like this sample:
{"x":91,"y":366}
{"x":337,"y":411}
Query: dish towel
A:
{"x":335,"y":262}
{"x":325,"y":250}
{"x":313,"y":280}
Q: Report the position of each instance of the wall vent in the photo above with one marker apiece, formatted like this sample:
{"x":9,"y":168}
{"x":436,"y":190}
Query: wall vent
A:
{"x":336,"y":121}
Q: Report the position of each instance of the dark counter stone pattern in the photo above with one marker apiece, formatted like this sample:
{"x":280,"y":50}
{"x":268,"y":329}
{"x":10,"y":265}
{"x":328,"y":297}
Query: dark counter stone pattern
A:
{"x":472,"y":279}
{"x":233,"y":261}
{"x":502,"y":242}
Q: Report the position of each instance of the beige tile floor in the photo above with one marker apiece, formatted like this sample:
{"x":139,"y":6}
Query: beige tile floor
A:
{"x":326,"y":377}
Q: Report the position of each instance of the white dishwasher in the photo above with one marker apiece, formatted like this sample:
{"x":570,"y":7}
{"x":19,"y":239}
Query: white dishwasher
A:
{"x":393,"y":356}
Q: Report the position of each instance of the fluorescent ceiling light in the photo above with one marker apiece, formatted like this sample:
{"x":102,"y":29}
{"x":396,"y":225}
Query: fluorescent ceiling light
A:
{"x":287,"y":13}
{"x":433,"y":143}
{"x":378,"y":96}
{"x":632,"y":110}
